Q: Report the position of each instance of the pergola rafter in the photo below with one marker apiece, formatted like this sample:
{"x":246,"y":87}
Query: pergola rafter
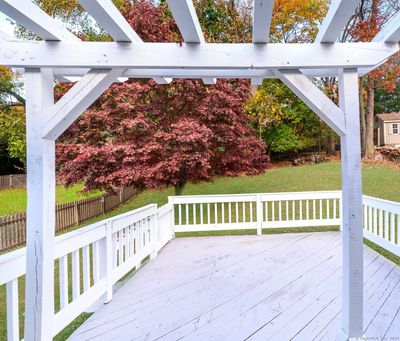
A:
{"x":262,"y":17}
{"x":338,"y":15}
{"x":62,"y":54}
{"x":189,"y":26}
{"x":110,"y":18}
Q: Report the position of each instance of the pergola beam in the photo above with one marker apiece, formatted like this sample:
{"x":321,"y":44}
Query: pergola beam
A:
{"x":262,"y":17}
{"x":311,"y":95}
{"x":197,"y":73}
{"x":34,"y":19}
{"x":186,"y":18}
{"x":63,"y":113}
{"x":110,"y":19}
{"x":338,"y":15}
{"x":200,"y":56}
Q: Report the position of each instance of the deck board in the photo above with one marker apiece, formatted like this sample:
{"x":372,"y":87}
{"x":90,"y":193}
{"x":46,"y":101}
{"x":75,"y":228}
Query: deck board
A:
{"x":271,"y":287}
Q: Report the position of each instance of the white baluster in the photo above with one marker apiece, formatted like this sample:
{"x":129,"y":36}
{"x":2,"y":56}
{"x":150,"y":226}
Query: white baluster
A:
{"x":86,"y":267}
{"x":76,"y":278}
{"x":12,"y":311}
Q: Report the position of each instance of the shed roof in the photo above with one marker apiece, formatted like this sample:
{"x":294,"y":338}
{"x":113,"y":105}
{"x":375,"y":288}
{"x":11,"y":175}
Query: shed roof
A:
{"x":393,"y":116}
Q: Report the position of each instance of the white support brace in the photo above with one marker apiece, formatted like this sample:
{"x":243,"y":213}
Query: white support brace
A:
{"x":340,"y":12}
{"x":39,"y":287}
{"x":186,"y":18}
{"x":352,"y":323}
{"x":311,"y":95}
{"x":62,"y":114}
{"x":34,"y":19}
{"x":262,"y":17}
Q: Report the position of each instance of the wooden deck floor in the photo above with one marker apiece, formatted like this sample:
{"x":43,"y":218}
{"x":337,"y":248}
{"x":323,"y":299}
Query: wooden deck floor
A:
{"x":274,"y":287}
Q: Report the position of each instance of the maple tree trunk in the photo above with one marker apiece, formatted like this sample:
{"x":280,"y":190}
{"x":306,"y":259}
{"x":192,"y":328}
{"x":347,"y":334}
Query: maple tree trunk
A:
{"x":369,"y":121}
{"x":179,"y":188}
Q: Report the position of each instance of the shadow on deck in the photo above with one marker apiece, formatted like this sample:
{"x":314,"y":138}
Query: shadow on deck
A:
{"x":271,"y":287}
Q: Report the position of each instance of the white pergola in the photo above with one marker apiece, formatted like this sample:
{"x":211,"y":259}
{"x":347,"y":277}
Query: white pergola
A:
{"x":61,"y":54}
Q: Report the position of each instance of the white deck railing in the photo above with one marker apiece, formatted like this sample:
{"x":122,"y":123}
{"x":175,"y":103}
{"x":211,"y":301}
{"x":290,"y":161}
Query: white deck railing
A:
{"x":256,"y":211}
{"x":89,"y":261}
{"x":96,"y":256}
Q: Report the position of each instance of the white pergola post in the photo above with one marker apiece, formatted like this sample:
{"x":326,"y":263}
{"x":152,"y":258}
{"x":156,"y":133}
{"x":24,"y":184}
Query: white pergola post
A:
{"x":352,"y":324}
{"x":39,"y":292}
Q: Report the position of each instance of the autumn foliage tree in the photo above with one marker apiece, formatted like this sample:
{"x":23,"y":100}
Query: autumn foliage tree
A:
{"x":148,"y":135}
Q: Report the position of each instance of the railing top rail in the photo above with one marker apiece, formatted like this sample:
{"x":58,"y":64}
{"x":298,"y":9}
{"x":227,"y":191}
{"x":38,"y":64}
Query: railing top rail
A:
{"x":164,"y":209}
{"x":249,"y":196}
{"x":12,"y":265}
{"x":387,"y":204}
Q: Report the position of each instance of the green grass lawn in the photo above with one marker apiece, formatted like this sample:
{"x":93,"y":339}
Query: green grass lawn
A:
{"x":14,"y":200}
{"x":377,"y":181}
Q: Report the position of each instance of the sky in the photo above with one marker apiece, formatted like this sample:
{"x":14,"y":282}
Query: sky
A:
{"x":5,"y":25}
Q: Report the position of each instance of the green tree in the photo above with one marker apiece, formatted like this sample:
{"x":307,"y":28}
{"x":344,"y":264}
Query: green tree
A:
{"x":284,"y":121}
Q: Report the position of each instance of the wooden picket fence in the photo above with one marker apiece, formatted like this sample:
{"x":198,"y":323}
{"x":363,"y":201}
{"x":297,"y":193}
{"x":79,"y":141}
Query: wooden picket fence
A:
{"x":12,"y":181}
{"x":13,"y":227}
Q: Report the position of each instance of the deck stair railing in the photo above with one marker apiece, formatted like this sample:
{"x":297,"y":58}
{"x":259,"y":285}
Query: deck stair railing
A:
{"x":90,"y":260}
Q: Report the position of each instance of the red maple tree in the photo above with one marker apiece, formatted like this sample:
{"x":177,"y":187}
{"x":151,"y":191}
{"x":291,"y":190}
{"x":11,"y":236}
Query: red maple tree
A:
{"x":150,"y":136}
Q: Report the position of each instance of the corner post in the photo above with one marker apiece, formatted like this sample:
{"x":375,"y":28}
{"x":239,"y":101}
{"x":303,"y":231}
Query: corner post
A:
{"x":352,"y":323}
{"x":39,"y":288}
{"x":172,"y":224}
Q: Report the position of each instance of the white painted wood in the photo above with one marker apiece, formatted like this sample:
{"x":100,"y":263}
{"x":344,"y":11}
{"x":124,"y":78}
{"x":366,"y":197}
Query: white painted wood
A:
{"x":39,"y":287}
{"x":5,"y":36}
{"x":209,"y":80}
{"x":12,"y":265}
{"x":77,"y":100}
{"x":340,"y":12}
{"x":76,"y":275}
{"x":186,"y":18}
{"x":111,"y":20}
{"x":166,"y":300}
{"x":100,"y":55}
{"x":262,"y":17}
{"x":63,"y":273}
{"x":109,"y":255}
{"x":194,"y":73}
{"x":86,"y":267}
{"x":34,"y":19}
{"x":352,"y":323}
{"x":390,"y":33}
{"x":12,"y":311}
{"x":314,"y":98}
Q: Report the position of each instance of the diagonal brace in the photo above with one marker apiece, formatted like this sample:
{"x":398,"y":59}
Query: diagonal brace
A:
{"x":311,"y":95}
{"x":63,"y":113}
